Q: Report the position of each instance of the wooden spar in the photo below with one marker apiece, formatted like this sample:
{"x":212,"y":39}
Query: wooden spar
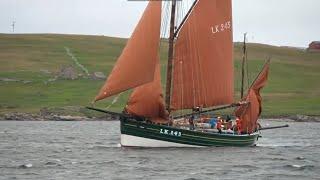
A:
{"x":170,"y":56}
{"x":185,"y":18}
{"x":107,"y":112}
{"x":243,"y":63}
{"x":209,"y":110}
{"x":273,"y":127}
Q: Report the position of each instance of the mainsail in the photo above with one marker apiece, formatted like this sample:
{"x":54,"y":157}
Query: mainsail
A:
{"x":250,"y":112}
{"x":203,"y":58}
{"x":147,"y":100}
{"x":136,"y":65}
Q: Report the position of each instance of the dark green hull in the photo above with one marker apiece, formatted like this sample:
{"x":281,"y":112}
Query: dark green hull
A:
{"x":141,"y":134}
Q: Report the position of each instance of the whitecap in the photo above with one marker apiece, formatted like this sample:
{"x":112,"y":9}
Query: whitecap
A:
{"x":300,"y":158}
{"x":28,"y":165}
{"x":296,"y":166}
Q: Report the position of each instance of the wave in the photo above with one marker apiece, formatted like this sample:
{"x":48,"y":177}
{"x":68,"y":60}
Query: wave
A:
{"x":299,"y":167}
{"x":102,"y":147}
{"x":288,"y":145}
{"x":27,"y":165}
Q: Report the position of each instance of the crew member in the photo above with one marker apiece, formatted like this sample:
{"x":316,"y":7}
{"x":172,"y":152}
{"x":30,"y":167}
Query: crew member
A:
{"x":191,"y":123}
{"x":238,"y":123}
{"x":229,"y":125}
{"x":196,"y":111}
{"x":219,"y":124}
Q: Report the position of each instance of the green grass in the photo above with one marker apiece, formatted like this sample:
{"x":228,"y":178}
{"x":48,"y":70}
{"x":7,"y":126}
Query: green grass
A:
{"x":293,"y":86}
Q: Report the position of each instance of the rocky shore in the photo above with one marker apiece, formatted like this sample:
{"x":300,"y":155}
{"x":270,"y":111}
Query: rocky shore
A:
{"x":304,"y":118}
{"x":19,"y":116}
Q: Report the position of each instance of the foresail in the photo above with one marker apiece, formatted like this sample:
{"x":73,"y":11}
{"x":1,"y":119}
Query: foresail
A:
{"x":203,"y":57}
{"x":249,"y":113}
{"x":147,"y":100}
{"x":136,"y":65}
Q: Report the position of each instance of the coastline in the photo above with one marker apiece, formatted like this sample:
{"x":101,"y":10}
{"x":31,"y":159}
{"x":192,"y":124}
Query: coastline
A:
{"x":22,"y":116}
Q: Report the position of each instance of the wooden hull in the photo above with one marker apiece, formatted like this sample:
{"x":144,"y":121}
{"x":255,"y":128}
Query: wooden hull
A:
{"x":141,"y":134}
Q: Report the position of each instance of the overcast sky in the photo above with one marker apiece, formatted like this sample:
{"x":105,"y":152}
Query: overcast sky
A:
{"x":277,"y":22}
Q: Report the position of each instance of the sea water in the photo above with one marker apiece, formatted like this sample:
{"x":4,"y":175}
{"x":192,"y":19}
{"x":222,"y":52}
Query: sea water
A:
{"x":90,"y":150}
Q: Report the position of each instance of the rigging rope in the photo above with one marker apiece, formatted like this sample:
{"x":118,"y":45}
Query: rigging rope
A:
{"x":115,"y":99}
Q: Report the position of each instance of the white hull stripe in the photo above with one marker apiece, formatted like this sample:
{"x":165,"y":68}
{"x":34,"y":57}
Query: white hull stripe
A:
{"x":135,"y":141}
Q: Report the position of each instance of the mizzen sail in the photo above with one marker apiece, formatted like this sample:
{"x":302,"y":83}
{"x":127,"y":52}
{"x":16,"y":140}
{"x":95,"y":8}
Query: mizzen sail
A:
{"x":203,"y":58}
{"x":249,"y":113}
{"x":136,"y":65}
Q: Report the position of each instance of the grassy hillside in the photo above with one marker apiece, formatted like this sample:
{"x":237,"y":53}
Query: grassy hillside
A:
{"x":293,"y":88}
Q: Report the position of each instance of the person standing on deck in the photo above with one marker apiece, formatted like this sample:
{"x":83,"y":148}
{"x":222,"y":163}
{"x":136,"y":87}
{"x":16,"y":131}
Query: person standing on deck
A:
{"x":238,"y":123}
{"x":196,"y":111}
{"x":191,"y":123}
{"x":229,"y":124}
{"x":219,"y":125}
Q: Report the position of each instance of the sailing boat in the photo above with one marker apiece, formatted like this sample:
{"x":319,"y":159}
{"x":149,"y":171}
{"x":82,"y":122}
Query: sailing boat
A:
{"x":199,"y":75}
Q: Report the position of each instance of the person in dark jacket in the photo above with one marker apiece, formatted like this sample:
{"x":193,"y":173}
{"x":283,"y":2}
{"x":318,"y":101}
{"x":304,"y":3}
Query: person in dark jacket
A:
{"x":191,"y":123}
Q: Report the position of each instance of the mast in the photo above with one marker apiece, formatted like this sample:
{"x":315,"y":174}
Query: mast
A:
{"x":243,"y":63}
{"x":170,"y":55}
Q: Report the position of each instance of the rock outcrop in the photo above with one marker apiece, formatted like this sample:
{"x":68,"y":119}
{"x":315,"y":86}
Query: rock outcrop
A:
{"x":98,"y":76}
{"x":9,"y":80}
{"x":68,"y":72}
{"x":304,"y":118}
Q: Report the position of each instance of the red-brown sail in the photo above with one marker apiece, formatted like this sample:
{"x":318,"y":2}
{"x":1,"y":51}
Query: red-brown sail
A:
{"x":147,"y":100}
{"x":137,"y":63}
{"x":203,"y":59}
{"x":249,"y":113}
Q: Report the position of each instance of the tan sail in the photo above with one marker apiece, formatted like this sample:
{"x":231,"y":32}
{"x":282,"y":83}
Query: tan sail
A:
{"x":203,"y":59}
{"x":250,"y":112}
{"x":136,"y":65}
{"x":147,"y":100}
